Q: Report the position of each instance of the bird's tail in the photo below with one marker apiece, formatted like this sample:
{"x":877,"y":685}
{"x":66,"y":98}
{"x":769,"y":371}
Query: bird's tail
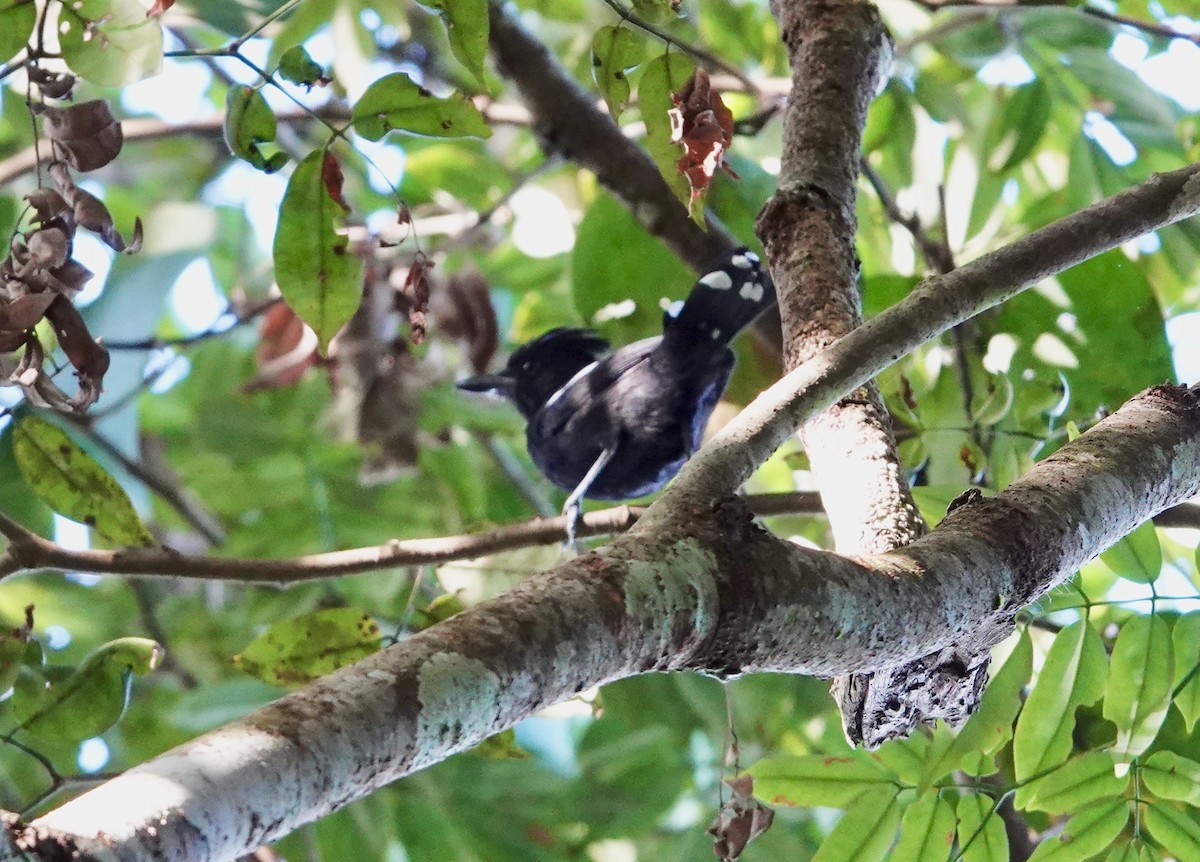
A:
{"x":723,"y":302}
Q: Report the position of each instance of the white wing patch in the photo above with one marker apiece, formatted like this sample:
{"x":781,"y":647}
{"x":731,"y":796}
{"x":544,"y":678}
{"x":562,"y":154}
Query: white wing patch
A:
{"x":717,"y":280}
{"x":578,"y":374}
{"x":744,"y":260}
{"x":752,"y":290}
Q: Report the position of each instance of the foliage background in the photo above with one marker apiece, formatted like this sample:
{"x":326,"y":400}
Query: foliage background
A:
{"x":1013,"y":117}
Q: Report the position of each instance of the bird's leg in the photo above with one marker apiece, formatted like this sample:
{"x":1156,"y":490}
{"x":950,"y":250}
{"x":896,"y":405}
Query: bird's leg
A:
{"x":574,"y":505}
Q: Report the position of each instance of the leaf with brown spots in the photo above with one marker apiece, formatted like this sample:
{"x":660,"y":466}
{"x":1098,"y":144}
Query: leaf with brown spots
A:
{"x":74,"y":485}
{"x":298,"y":650}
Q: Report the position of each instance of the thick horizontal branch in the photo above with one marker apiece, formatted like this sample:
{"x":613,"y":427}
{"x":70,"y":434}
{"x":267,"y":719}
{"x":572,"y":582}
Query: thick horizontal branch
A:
{"x":720,"y":595}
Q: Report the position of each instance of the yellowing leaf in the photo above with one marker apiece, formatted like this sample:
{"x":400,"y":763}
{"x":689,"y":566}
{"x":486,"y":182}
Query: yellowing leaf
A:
{"x":299,"y":650}
{"x":74,"y":485}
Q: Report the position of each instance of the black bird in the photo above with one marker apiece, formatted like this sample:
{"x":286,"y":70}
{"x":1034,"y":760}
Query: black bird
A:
{"x":611,"y":426}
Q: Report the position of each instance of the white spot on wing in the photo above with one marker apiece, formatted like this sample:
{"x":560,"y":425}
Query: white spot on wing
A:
{"x":751,"y":290}
{"x":752,"y":257}
{"x":717,"y":280}
{"x":559,"y":394}
{"x":741,"y":261}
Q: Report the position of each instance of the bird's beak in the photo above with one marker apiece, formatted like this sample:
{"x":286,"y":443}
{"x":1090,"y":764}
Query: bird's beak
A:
{"x":500,"y":384}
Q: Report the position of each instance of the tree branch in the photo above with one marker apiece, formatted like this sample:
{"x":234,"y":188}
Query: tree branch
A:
{"x":712,"y":592}
{"x":29,"y":551}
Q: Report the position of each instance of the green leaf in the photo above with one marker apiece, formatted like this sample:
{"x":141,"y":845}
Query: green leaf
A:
{"x":89,"y":700}
{"x":817,"y":779}
{"x":395,"y":102}
{"x":1072,"y":676}
{"x":318,"y":275}
{"x":992,"y":724}
{"x":615,"y":51}
{"x":926,"y":830}
{"x":1131,"y":852}
{"x":1173,"y":829}
{"x":1076,"y":783}
{"x":661,"y":77}
{"x":74,"y":485}
{"x":1170,"y":776}
{"x":615,"y":260}
{"x":1023,"y":123}
{"x":250,"y":122}
{"x":1138,"y":556}
{"x":1090,"y":831}
{"x":299,"y":650}
{"x":17,"y":20}
{"x":297,"y":66}
{"x":1139,"y":685}
{"x":467,"y":28}
{"x":110,"y":42}
{"x":866,"y":830}
{"x":981,"y":832}
{"x":1186,"y":640}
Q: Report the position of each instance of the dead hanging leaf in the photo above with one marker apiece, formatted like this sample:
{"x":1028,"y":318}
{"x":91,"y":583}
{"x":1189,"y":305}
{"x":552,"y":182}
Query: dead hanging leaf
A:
{"x":701,"y":122}
{"x":88,"y":356}
{"x":463,"y":309}
{"x":332,"y":178}
{"x":416,"y":291}
{"x":24,"y":312}
{"x":741,"y":819}
{"x":49,"y":248}
{"x":287,"y":347}
{"x":47,"y":204}
{"x":87,"y":210}
{"x":86,"y":136}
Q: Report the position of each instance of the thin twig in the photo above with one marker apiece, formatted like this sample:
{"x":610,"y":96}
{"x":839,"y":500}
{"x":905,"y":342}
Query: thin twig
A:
{"x":30,"y":551}
{"x":712,"y":61}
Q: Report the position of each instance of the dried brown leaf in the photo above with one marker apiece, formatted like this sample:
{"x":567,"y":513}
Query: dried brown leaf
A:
{"x":47,"y":204}
{"x":332,"y":178}
{"x":741,"y":819}
{"x":416,"y":291}
{"x":701,"y":122}
{"x":88,"y":356}
{"x":23,"y":313}
{"x":286,"y":349}
{"x":49,"y":248}
{"x":86,"y":136}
